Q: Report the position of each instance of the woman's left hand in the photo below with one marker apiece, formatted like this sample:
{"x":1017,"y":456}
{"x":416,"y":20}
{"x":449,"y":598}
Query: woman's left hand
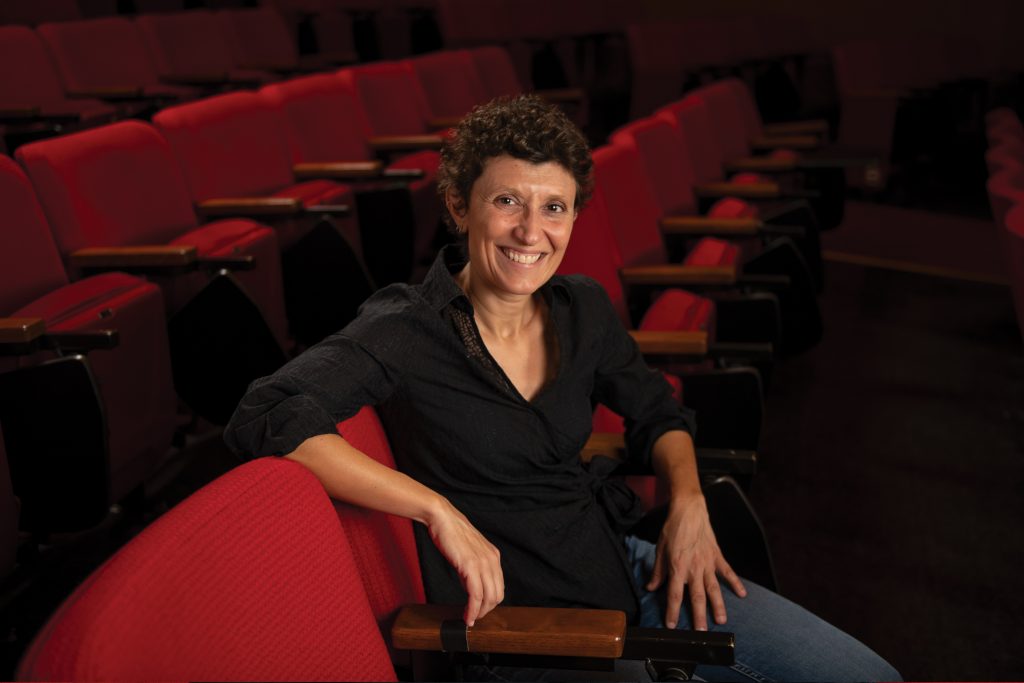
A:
{"x":688,"y":555}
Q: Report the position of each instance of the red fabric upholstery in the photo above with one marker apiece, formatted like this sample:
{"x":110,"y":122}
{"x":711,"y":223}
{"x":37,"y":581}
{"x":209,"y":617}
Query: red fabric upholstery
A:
{"x":632,"y":206}
{"x":192,"y":44}
{"x":120,"y":185}
{"x":383,"y":545}
{"x":33,"y":13}
{"x":30,"y":265}
{"x":28,"y":78}
{"x":450,"y":81}
{"x":258,"y":38}
{"x":250,"y":578}
{"x":731,"y":207}
{"x":693,"y":123}
{"x":134,"y":379}
{"x":230,"y":145}
{"x":712,"y":252}
{"x":106,"y":52}
{"x":325,"y":121}
{"x":728,"y":123}
{"x":677,"y":310}
{"x":392,"y":97}
{"x":235,"y":145}
{"x":496,"y":71}
{"x":670,"y":169}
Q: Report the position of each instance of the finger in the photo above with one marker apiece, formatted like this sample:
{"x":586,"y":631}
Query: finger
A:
{"x":674,"y":599}
{"x":731,"y":578}
{"x":714,"y":592}
{"x":474,"y":589}
{"x":658,"y":573}
{"x":699,"y":605}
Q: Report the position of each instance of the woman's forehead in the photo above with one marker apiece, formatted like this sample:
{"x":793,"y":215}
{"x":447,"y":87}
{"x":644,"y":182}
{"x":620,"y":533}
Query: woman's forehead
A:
{"x":507,"y":170}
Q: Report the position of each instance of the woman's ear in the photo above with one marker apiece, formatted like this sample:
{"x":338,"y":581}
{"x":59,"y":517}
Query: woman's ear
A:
{"x":456,"y":207}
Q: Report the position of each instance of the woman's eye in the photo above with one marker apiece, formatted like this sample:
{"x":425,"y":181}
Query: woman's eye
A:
{"x":556,"y":208}
{"x":505,"y":200}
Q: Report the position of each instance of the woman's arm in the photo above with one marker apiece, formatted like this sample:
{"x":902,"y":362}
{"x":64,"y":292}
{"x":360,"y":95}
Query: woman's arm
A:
{"x":351,"y":476}
{"x":688,"y":553}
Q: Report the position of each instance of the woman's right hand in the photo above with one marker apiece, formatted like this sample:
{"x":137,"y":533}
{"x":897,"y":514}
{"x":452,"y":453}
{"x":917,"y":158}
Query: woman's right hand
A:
{"x":476,"y":560}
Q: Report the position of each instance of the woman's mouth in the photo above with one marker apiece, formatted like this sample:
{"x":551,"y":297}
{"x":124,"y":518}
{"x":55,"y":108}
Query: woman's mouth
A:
{"x":520,"y":257}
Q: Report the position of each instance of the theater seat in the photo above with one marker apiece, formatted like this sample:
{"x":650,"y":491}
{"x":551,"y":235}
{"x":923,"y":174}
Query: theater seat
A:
{"x":250,"y":578}
{"x":236,"y":159}
{"x":134,"y":378}
{"x":108,"y":58}
{"x":635,"y":219}
{"x":31,"y":92}
{"x":189,"y":48}
{"x":325,"y":123}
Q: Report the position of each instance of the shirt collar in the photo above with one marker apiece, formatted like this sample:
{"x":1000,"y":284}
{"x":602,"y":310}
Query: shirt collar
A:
{"x":440,"y":288}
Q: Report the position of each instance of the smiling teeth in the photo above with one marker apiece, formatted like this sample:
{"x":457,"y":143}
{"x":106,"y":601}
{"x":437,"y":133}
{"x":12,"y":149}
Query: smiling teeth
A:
{"x":526,"y":259}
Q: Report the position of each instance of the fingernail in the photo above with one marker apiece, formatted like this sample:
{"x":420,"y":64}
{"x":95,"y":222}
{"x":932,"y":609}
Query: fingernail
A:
{"x":671,"y":624}
{"x":702,"y":628}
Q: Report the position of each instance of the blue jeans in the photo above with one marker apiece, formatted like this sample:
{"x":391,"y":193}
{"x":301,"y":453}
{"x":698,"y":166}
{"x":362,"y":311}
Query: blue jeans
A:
{"x":776,"y":640}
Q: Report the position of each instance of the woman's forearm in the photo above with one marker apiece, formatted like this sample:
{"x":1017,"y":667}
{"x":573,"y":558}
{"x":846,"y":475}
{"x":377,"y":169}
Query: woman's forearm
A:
{"x":349,"y":475}
{"x":675,"y":462}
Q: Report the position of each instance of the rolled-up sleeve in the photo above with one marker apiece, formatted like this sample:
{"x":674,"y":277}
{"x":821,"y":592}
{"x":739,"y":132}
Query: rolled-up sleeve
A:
{"x":626,"y":384}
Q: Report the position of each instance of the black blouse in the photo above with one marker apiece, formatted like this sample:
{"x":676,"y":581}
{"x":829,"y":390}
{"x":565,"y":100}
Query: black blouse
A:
{"x":458,"y":425}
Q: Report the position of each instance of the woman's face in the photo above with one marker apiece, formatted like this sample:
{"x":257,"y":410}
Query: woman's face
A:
{"x":519,"y":216}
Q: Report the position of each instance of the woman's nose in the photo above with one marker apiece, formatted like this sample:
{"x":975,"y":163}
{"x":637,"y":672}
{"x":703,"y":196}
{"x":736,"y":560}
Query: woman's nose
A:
{"x":528,"y":230}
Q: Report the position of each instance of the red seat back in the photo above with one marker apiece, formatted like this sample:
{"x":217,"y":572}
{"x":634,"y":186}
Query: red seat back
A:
{"x":727,"y":121}
{"x":666,"y":160}
{"x":325,"y":121}
{"x":231,"y":145}
{"x":496,"y":71}
{"x":115,"y":185}
{"x":100,"y":53}
{"x":258,"y":38}
{"x":28,"y":76}
{"x":450,"y":82}
{"x":30,"y":264}
{"x":632,"y":206}
{"x":383,"y":544}
{"x":186,"y":43}
{"x":693,"y":124}
{"x":392,"y":97}
{"x":251,"y":577}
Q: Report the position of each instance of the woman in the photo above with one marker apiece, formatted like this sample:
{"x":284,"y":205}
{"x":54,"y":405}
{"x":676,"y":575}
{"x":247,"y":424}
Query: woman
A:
{"x":485,"y":377}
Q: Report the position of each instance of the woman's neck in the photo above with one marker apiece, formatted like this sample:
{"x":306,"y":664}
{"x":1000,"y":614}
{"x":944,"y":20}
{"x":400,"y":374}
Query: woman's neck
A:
{"x":505,"y":316}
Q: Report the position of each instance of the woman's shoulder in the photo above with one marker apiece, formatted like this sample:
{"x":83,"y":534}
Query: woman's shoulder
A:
{"x":388,"y":311}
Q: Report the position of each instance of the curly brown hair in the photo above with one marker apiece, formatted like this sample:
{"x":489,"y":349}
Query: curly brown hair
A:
{"x":523,"y":127}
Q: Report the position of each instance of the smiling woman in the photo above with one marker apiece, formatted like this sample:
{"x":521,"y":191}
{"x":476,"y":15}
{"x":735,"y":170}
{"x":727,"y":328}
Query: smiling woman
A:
{"x":485,"y":377}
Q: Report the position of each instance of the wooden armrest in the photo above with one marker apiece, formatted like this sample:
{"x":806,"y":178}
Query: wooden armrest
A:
{"x":159,"y":256}
{"x":557,"y":95}
{"x":740,"y":190}
{"x":109,"y":93}
{"x":443,"y":122}
{"x":557,"y":632}
{"x":760,"y":164}
{"x":816,"y":126}
{"x":677,"y":275}
{"x":390,"y":143}
{"x":704,"y":225}
{"x":21,"y":330}
{"x":250,"y":206}
{"x":403,"y":173}
{"x":676,"y":343}
{"x":787,"y":142}
{"x":338,"y":170}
